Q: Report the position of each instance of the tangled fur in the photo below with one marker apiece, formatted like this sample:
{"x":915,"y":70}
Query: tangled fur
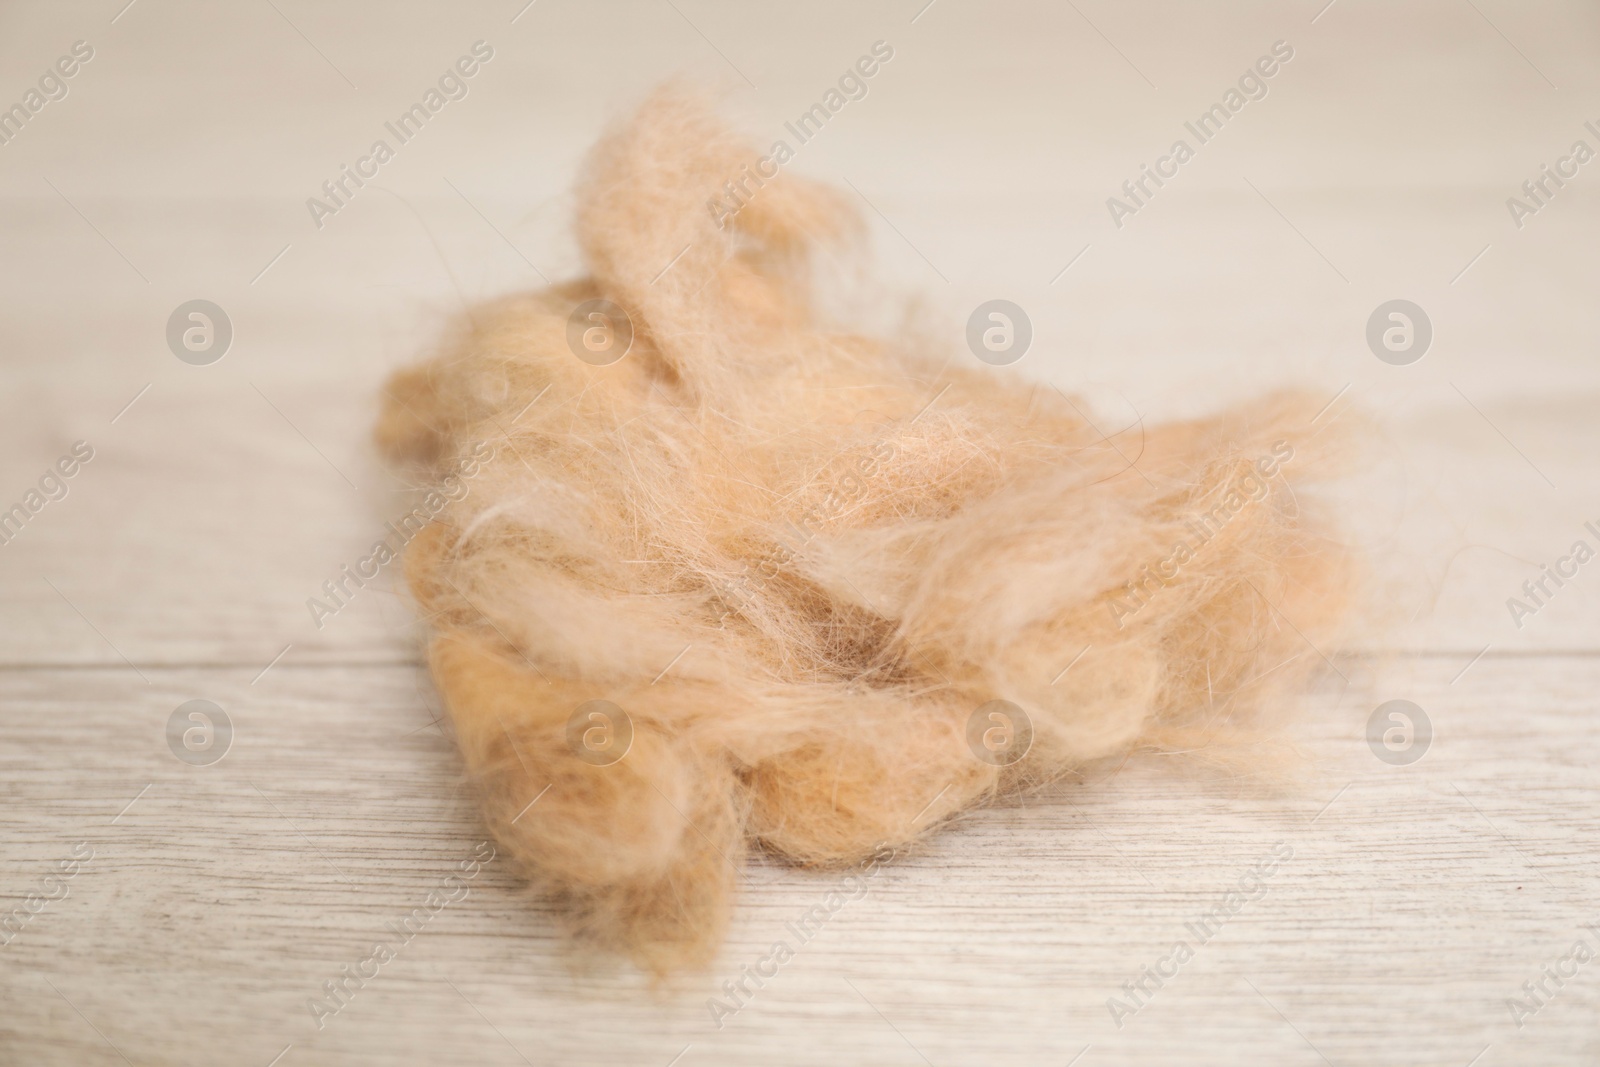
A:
{"x":800,"y":559}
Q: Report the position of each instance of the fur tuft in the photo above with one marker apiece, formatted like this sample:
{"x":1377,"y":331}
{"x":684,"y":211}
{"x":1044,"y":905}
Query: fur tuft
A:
{"x":801,"y":561}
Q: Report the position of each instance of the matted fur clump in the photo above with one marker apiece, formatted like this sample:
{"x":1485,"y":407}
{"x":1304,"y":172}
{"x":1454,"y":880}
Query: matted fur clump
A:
{"x":803,"y":562}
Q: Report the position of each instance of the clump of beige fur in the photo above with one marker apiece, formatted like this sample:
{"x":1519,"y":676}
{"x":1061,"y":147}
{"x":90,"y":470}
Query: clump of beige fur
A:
{"x":803,"y":562}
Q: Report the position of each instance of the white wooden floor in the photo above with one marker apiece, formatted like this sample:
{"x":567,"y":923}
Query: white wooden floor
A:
{"x":209,"y":902}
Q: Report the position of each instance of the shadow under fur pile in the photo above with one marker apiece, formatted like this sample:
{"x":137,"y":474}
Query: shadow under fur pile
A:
{"x":800,"y":559}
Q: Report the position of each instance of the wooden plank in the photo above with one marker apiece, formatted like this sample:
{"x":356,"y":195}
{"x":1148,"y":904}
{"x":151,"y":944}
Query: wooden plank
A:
{"x":1418,"y":898}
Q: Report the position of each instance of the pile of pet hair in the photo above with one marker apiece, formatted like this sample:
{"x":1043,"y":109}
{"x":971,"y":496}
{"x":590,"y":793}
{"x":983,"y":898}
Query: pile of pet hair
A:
{"x":819,"y":591}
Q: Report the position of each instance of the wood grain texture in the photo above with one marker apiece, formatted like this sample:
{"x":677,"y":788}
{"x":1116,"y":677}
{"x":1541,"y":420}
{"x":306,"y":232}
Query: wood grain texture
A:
{"x":1418,"y":899}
